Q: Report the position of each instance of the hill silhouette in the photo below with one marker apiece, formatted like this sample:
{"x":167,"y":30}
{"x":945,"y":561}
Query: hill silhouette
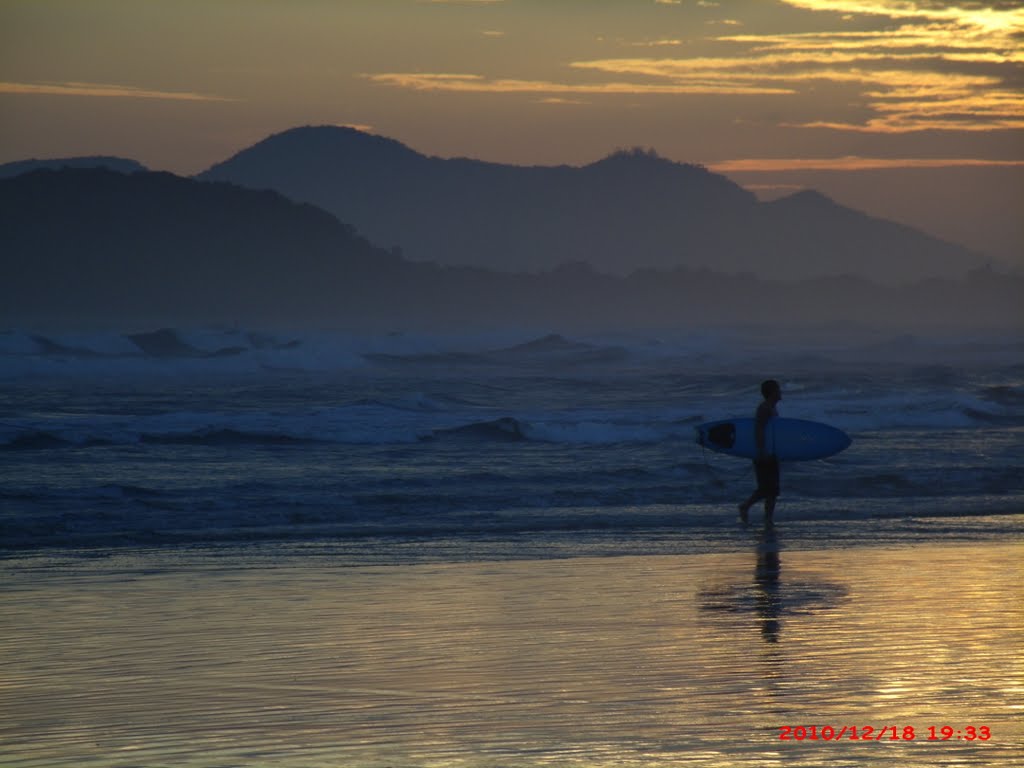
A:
{"x":119,"y":164}
{"x":91,"y":248}
{"x":105,"y":246}
{"x":629,"y":211}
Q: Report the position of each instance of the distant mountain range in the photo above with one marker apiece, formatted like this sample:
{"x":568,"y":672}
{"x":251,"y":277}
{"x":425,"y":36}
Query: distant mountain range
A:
{"x":629,"y":211}
{"x":92,"y":248}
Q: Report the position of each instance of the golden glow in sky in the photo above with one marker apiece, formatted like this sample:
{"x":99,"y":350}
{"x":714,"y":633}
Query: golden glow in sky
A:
{"x":728,"y":83}
{"x":931,"y":67}
{"x":765,"y":75}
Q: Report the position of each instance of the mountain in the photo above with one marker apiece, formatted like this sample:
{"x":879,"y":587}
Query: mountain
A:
{"x":120,"y":164}
{"x":92,"y":248}
{"x":630,"y":210}
{"x":96,"y":245}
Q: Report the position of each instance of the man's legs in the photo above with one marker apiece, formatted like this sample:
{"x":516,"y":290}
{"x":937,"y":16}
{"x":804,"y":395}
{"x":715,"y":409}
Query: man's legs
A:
{"x":767,"y":472}
{"x":755,"y":497}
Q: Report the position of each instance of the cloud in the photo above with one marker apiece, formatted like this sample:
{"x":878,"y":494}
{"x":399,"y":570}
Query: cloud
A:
{"x":914,"y":65}
{"x":926,"y":41}
{"x":773,"y":189}
{"x":102,"y":90}
{"x":902,"y":100}
{"x":364,"y":127}
{"x":851,"y":163}
{"x":656,"y":43}
{"x":997,"y":15}
{"x":561,"y":100}
{"x":469,"y":83}
{"x":931,"y":66}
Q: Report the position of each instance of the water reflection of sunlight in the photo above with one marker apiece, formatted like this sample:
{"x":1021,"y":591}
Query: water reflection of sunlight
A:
{"x":577,"y":662}
{"x":766,"y":577}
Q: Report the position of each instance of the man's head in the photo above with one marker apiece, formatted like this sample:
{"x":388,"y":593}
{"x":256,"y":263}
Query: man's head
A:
{"x":771,"y":390}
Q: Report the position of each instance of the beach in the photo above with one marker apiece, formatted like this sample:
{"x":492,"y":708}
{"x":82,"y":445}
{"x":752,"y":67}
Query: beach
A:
{"x":293,"y":656}
{"x":413,"y":552}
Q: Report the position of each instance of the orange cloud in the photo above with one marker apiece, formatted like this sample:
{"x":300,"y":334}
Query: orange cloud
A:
{"x":850,"y":163}
{"x":930,"y":65}
{"x":656,"y":43}
{"x":102,"y":90}
{"x":921,"y":75}
{"x":364,"y":127}
{"x":467,"y":83}
{"x":994,"y":19}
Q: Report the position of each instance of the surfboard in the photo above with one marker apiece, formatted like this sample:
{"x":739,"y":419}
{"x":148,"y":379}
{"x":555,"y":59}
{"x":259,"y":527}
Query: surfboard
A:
{"x":788,"y":439}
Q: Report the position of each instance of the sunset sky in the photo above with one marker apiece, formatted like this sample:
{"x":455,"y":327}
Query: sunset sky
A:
{"x":909,"y":109}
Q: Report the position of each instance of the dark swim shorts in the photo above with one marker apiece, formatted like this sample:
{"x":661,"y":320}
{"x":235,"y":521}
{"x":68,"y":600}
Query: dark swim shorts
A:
{"x":767,"y":471}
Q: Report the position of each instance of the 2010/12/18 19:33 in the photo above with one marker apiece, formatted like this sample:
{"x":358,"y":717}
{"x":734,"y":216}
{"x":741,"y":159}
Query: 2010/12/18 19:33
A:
{"x":885,"y":733}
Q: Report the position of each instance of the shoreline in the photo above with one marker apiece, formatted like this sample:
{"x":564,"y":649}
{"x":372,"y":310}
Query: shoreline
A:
{"x":437,"y":547}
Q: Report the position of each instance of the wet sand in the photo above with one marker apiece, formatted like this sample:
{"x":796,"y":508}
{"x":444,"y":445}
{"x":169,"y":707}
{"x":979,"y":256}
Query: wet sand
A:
{"x":154,"y":659}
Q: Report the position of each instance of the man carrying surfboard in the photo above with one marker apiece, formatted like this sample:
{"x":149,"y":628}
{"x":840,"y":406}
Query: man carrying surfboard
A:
{"x":766,"y":465}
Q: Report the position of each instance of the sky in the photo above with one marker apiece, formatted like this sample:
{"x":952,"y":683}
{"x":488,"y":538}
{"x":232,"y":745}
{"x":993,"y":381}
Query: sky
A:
{"x":911,"y":110}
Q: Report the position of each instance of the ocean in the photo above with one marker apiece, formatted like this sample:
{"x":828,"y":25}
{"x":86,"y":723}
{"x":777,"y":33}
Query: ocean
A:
{"x":416,"y":448}
{"x":226,"y":548}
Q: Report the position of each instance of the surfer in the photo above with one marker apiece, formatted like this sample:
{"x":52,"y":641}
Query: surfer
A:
{"x":766,"y":465}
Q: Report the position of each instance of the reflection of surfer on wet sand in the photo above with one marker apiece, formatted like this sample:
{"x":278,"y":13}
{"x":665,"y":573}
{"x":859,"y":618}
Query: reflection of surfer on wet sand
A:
{"x":766,"y":578}
{"x":765,"y":600}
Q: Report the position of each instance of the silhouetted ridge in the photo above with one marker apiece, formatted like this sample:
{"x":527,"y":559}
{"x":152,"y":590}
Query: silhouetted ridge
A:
{"x":156,"y":248}
{"x":858,"y":244}
{"x":313,"y":155}
{"x":630,"y":210}
{"x":805,"y":197}
{"x":119,"y":164}
{"x":82,"y":249}
{"x":648,"y":178}
{"x":639,"y":161}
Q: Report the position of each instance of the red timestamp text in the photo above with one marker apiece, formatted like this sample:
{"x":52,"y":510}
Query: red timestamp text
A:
{"x":883,"y":733}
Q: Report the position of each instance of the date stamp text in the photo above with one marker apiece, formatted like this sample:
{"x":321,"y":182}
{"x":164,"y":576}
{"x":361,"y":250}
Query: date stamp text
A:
{"x":883,"y":733}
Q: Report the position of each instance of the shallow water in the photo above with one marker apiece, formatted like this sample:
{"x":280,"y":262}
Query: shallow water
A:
{"x":275,"y":657}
